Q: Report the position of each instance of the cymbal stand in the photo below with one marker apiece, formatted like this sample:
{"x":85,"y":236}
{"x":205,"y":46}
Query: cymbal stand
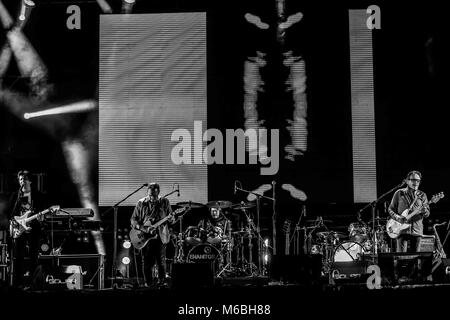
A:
{"x":256,"y":228}
{"x":252,"y":227}
{"x":180,"y":243}
{"x":228,"y":246}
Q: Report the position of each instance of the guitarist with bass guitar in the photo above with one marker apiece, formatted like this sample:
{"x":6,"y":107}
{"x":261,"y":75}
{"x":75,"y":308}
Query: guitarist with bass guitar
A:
{"x":147,"y":212}
{"x":409,"y":200}
{"x":25,"y":242}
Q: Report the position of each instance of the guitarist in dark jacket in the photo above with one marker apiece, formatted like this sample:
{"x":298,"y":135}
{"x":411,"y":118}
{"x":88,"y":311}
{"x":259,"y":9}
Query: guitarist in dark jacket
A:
{"x":410,"y":198}
{"x":27,"y":198}
{"x":150,"y":210}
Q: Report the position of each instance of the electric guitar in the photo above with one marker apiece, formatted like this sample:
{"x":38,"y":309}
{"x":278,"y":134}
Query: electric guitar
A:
{"x":20,"y":224}
{"x":140,"y":238}
{"x":395,"y":228}
{"x":286,"y":229}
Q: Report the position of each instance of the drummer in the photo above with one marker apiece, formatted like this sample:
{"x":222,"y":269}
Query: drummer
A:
{"x":215,"y":225}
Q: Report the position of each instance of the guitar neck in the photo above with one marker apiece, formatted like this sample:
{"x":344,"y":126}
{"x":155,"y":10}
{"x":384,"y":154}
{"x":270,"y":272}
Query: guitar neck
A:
{"x":417,"y":210}
{"x":160,"y":222}
{"x":37,"y":215}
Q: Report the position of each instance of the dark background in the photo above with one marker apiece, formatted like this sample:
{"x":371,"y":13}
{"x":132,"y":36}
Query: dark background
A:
{"x":410,"y":78}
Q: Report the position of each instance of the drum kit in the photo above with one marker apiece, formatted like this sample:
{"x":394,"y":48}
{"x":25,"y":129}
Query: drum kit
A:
{"x":229,"y":248}
{"x":336,"y":246}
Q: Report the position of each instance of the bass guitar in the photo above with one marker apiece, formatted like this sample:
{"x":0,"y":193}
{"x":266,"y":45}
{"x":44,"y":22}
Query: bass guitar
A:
{"x":395,"y":228}
{"x":21,"y":224}
{"x":140,"y":238}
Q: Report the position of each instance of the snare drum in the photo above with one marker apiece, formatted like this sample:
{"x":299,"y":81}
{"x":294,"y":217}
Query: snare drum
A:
{"x":348,"y":251}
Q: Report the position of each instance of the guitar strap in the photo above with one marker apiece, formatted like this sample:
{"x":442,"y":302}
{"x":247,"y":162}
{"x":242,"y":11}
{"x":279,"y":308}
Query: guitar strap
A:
{"x":153,"y":210}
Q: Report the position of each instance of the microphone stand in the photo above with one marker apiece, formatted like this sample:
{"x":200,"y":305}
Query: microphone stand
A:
{"x":296,"y":236}
{"x":258,"y":198}
{"x":58,"y":251}
{"x":171,"y":192}
{"x":115,"y":208}
{"x":373,"y":205}
{"x":13,"y":241}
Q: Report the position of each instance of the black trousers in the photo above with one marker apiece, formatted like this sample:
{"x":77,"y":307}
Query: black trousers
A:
{"x":25,"y":247}
{"x":154,"y":252}
{"x":402,"y":243}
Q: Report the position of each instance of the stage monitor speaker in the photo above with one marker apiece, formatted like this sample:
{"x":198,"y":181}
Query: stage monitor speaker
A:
{"x":405,"y":267}
{"x":349,"y":271}
{"x":301,"y":269}
{"x":92,"y":266}
{"x":192,"y":275}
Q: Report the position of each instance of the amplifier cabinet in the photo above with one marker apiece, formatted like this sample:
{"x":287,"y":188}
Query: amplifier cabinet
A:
{"x":426,"y":244}
{"x":92,"y":265}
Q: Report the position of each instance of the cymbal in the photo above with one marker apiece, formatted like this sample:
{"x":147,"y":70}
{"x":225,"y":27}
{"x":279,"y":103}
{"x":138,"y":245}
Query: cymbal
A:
{"x":333,"y":234}
{"x":243,"y":205}
{"x":223,"y":204}
{"x":190,"y":204}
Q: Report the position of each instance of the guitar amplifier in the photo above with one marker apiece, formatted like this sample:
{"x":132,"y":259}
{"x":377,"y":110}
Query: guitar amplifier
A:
{"x":426,"y":243}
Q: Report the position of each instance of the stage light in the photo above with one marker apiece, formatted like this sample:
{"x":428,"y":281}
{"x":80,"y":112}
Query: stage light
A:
{"x":45,"y":247}
{"x":106,"y":8}
{"x":126,"y":260}
{"x":127,"y":6}
{"x":85,"y":237}
{"x":27,"y":6}
{"x":77,"y":107}
{"x":126,"y":244}
{"x":29,"y":63}
{"x":79,"y":157}
{"x":5,"y":17}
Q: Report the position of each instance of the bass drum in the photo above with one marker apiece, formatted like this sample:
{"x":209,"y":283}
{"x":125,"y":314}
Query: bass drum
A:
{"x":348,"y":251}
{"x":205,"y":253}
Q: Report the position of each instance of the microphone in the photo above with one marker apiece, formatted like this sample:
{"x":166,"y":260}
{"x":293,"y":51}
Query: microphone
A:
{"x":235,"y":187}
{"x":145,"y":185}
{"x":304,"y":211}
{"x":178,"y":189}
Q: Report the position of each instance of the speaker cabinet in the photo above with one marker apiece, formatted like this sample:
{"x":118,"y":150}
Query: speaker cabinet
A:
{"x":349,"y":271}
{"x":192,"y":275}
{"x":405,"y":268}
{"x":91,"y":264}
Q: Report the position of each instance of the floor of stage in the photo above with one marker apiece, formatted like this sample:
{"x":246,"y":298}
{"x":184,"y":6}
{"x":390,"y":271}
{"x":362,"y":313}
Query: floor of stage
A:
{"x":273,"y":300}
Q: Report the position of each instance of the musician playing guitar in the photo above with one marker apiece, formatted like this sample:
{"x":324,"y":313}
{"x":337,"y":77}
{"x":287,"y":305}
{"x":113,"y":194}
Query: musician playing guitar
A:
{"x":412,"y":200}
{"x":26,"y":200}
{"x":148,"y":211}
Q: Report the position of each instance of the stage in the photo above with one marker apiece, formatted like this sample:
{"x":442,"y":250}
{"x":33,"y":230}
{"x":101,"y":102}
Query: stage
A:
{"x":239,"y":300}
